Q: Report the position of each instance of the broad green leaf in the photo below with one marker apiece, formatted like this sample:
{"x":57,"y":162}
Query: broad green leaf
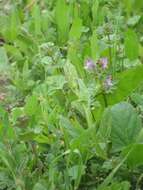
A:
{"x":31,"y":106}
{"x":85,"y":12}
{"x":76,"y":29}
{"x":90,"y":146}
{"x":76,"y":138}
{"x":71,"y":75}
{"x":28,"y":136}
{"x":83,"y":92}
{"x":26,"y":44}
{"x":128,"y":81}
{"x":37,"y":19}
{"x":37,"y":137}
{"x":125,"y":125}
{"x":75,"y":57}
{"x":73,"y":131}
{"x":6,"y":131}
{"x":135,"y":157}
{"x":94,"y":46}
{"x":131,"y":45}
{"x":104,"y":131}
{"x":137,"y":99}
{"x":75,"y":170}
{"x":62,"y":20}
{"x":14,"y":24}
{"x":14,"y":52}
{"x":55,"y":83}
{"x":39,"y":186}
{"x":95,"y":9}
{"x":16,"y":112}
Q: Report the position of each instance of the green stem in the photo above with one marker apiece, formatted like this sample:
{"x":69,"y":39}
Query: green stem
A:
{"x":110,"y":52}
{"x":138,"y":181}
{"x":105,"y":99}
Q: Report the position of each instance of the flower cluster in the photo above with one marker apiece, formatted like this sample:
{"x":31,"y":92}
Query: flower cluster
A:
{"x":100,"y":67}
{"x":102,"y":62}
{"x":89,"y":65}
{"x":108,"y":83}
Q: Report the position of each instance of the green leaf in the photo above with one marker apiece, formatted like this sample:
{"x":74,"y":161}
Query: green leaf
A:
{"x":118,"y":186}
{"x":76,"y":29}
{"x":28,"y":136}
{"x":137,"y":99}
{"x":95,"y":9}
{"x":109,"y":178}
{"x":138,"y":4}
{"x":131,"y":45}
{"x":135,"y":157}
{"x":14,"y":24}
{"x":89,"y":146}
{"x":75,"y":170}
{"x":128,"y":5}
{"x":31,"y":106}
{"x":6,"y":131}
{"x":134,"y":20}
{"x":39,"y":186}
{"x":71,"y":75}
{"x":128,"y":81}
{"x":35,"y":136}
{"x":94,"y":46}
{"x":55,"y":83}
{"x":125,"y":125}
{"x":3,"y":59}
{"x":62,"y":20}
{"x":13,"y":52}
{"x":73,"y":131}
{"x":37,"y":19}
{"x":76,"y":138}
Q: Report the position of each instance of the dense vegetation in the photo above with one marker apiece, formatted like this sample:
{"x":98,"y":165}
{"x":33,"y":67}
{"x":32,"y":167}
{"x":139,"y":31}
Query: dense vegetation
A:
{"x":71,"y":95}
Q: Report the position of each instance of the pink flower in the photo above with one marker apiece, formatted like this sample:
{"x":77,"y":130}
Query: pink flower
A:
{"x":89,"y":65}
{"x":108,"y":82}
{"x":103,"y":62}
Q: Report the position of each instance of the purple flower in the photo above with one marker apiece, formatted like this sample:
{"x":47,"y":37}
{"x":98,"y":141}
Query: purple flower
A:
{"x":103,"y":62}
{"x":89,"y":65}
{"x":108,"y":82}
